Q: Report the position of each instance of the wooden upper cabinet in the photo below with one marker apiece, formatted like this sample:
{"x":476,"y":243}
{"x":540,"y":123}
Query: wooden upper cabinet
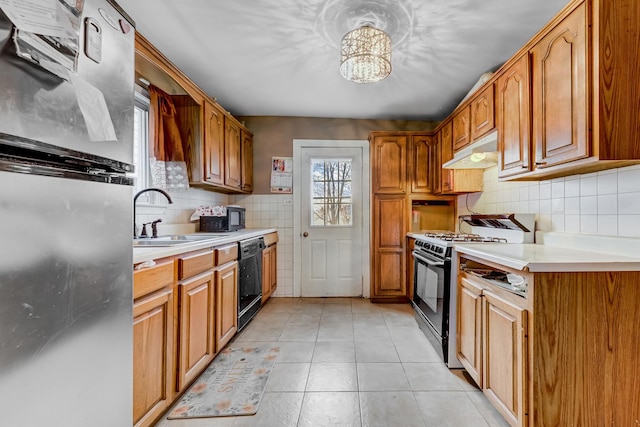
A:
{"x":435,"y":164}
{"x":559,"y":78}
{"x":247,"y":161}
{"x":389,"y":164}
{"x":462,"y":129}
{"x":482,"y":113}
{"x":420,"y":163}
{"x":213,"y":144}
{"x":446,"y":142}
{"x":513,"y":103}
{"x":233,"y":156}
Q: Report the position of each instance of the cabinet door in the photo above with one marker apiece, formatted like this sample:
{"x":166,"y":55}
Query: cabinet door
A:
{"x":267,"y":260}
{"x":435,"y":164}
{"x":153,"y":349}
{"x":233,"y":157}
{"x":446,"y":142}
{"x":560,"y":109}
{"x":462,"y":129}
{"x":420,"y":163}
{"x":213,"y":144}
{"x":247,"y":162}
{"x":482,"y":113}
{"x":469,"y":328}
{"x":389,"y":165}
{"x":196,"y":330}
{"x":514,"y":106}
{"x":274,"y":269}
{"x":504,"y":334}
{"x":226,"y":303}
{"x":389,"y":222}
{"x":269,"y":271}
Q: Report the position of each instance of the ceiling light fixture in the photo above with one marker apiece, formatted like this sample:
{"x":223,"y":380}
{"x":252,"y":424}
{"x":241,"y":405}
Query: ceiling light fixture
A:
{"x":365,"y":55}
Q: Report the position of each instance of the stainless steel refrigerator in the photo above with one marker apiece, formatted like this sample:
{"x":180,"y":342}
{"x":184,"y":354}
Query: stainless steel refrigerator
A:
{"x":66,"y":132}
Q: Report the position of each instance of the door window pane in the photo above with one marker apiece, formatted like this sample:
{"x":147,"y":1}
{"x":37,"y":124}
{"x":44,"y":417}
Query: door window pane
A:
{"x":331,"y":195}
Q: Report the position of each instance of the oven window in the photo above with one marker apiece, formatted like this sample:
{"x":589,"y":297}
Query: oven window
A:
{"x":430,"y":293}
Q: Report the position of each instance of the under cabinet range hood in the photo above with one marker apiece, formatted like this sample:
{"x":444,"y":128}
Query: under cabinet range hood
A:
{"x":503,"y":225}
{"x":482,"y":154}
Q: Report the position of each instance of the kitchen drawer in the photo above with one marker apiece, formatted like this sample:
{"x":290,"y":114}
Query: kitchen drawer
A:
{"x":151,"y":279}
{"x":226,"y":253}
{"x":270,"y":239}
{"x":194,"y":263}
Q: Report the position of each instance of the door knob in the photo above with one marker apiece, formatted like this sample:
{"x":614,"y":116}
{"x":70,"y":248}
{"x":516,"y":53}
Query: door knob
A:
{"x":305,"y":234}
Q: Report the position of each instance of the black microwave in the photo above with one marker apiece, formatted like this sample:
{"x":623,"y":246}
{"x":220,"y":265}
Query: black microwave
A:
{"x":234,"y":220}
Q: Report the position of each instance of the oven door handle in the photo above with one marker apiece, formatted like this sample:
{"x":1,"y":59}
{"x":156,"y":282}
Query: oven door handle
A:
{"x":428,"y":260}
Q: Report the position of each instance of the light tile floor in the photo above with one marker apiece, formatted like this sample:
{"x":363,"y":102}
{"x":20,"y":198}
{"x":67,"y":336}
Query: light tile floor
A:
{"x":348,"y":362}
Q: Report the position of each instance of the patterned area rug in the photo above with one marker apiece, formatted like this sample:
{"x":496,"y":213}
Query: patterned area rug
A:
{"x":232,"y":385}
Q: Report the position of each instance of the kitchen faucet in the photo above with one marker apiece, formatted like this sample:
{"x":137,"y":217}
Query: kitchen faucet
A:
{"x":135,"y":198}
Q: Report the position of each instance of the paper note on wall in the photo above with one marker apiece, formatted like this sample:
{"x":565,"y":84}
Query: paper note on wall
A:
{"x":282,"y":175}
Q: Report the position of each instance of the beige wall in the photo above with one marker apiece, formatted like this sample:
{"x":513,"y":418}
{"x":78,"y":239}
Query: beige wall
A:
{"x":273,"y":136}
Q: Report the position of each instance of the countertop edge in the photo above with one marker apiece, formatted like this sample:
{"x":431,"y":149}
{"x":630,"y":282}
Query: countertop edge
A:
{"x":149,"y":254}
{"x":555,"y":263}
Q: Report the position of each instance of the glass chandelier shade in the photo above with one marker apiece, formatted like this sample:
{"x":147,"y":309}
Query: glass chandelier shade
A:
{"x":365,"y":55}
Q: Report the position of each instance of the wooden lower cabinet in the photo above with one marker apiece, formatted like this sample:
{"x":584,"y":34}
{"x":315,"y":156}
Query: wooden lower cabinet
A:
{"x":469,"y":328}
{"x":269,"y":271}
{"x":153,"y":342}
{"x":196,"y":301}
{"x":152,"y":357}
{"x":389,"y":235}
{"x":226,"y":291}
{"x":504,"y":331}
{"x":492,"y":347}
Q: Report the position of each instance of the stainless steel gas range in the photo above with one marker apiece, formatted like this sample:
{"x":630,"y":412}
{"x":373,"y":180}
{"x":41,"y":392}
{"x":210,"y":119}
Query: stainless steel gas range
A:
{"x":435,"y":277}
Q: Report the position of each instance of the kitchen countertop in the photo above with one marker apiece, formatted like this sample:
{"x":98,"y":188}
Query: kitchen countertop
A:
{"x":142,"y":254}
{"x":547,"y":258}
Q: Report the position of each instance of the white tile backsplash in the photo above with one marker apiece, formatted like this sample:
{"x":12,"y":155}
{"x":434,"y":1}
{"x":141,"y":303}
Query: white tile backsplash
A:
{"x":273,"y":211}
{"x":606,"y":202}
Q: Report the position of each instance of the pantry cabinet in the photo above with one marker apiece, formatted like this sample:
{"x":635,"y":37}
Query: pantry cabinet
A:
{"x":403,"y":173}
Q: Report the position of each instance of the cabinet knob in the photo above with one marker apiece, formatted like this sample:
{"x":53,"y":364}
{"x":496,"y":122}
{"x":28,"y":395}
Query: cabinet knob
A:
{"x":305,"y":234}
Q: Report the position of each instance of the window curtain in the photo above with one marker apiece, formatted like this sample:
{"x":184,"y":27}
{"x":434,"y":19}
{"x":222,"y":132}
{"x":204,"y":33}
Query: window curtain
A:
{"x":166,"y":153}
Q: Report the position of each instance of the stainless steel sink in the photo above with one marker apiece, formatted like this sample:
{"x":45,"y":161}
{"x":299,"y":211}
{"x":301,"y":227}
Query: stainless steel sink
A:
{"x":172,"y":240}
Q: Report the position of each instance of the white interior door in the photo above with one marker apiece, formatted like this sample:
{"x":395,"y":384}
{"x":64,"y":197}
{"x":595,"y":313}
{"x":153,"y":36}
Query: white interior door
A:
{"x":331,"y":221}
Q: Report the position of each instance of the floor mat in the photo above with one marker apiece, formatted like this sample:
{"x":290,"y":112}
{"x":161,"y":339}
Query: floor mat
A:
{"x":232,"y":385}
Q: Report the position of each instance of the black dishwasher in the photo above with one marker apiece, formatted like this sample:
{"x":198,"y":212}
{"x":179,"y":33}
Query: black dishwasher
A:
{"x":250,"y":279}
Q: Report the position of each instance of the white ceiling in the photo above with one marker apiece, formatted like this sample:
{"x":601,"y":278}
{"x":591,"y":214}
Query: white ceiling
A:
{"x":281,"y":57}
